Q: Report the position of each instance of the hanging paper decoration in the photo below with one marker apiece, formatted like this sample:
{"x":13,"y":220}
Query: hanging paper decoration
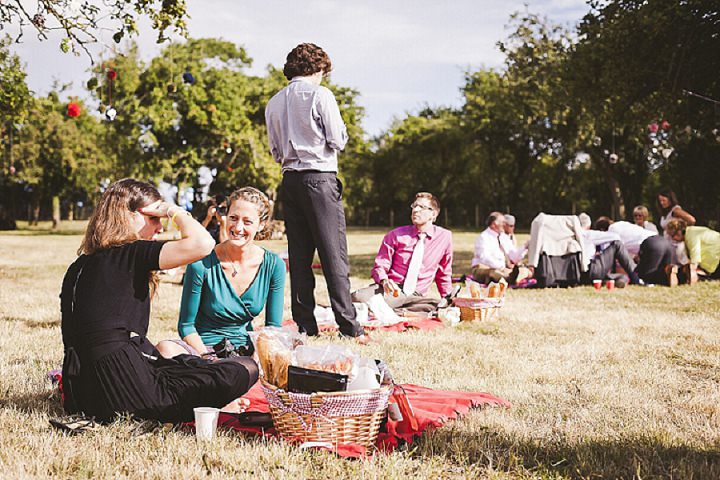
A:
{"x":188,"y":78}
{"x":73,"y":110}
{"x":613,"y":158}
{"x":658,"y":150}
{"x":109,"y":110}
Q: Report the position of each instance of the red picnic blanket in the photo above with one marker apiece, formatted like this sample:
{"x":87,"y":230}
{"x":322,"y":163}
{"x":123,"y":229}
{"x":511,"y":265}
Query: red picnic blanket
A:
{"x":432,"y":408}
{"x":407,"y":323}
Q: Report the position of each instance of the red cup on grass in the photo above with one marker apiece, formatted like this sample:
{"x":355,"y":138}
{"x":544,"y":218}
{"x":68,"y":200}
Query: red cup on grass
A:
{"x":610,"y":284}
{"x":597,"y":284}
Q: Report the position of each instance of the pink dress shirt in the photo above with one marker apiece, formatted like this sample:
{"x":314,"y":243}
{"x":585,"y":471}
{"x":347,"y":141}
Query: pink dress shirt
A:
{"x":393,"y":259}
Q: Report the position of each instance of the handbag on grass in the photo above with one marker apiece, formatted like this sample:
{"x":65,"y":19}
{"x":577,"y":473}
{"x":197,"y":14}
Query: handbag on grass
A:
{"x":225,"y":349}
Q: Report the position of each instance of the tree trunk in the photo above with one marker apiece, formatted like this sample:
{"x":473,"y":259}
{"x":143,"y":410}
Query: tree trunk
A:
{"x":34,"y":210}
{"x":55,"y":212}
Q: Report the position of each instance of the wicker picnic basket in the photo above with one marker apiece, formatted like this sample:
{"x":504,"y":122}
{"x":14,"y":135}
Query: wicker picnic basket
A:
{"x":479,"y":308}
{"x":336,"y":417}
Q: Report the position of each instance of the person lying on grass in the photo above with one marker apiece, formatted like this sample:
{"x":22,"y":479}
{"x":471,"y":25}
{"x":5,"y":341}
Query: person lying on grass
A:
{"x":226,"y":290}
{"x":110,"y":367}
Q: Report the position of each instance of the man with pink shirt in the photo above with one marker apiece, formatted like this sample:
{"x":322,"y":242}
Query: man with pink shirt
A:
{"x":411,"y":258}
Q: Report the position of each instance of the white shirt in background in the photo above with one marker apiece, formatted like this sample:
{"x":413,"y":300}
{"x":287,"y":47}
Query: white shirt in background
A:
{"x":631,"y":235}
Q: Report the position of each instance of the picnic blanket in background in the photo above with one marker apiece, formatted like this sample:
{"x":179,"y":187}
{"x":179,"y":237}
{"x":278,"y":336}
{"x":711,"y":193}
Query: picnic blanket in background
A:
{"x":407,"y":323}
{"x":432,"y":408}
{"x":524,"y":283}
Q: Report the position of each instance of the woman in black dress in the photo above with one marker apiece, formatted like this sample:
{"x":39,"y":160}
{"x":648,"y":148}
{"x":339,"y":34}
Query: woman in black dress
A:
{"x":110,"y":367}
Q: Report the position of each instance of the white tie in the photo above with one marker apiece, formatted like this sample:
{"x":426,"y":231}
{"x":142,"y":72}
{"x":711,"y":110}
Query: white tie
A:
{"x":414,"y":267}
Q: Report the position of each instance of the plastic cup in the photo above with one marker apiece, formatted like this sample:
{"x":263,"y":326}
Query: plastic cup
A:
{"x":597,"y":284}
{"x":206,"y":419}
{"x":610,"y":284}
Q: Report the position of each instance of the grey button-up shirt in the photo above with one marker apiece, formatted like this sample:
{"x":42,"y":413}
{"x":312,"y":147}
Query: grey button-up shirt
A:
{"x":305,"y":128}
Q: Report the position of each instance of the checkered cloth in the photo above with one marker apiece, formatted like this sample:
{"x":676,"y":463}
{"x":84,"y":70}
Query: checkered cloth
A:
{"x":349,"y":405}
{"x":491,"y":302}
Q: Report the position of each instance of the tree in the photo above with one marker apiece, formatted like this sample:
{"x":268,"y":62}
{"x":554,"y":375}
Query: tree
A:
{"x":632,"y":63}
{"x":58,"y":157}
{"x":80,"y":20}
{"x":14,"y":100}
{"x":519,"y":123}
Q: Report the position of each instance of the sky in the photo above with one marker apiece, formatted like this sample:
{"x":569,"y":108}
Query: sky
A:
{"x":401,"y":55}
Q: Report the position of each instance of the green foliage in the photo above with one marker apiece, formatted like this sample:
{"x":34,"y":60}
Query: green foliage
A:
{"x":14,"y":92}
{"x":167,"y":128}
{"x":56,"y":155}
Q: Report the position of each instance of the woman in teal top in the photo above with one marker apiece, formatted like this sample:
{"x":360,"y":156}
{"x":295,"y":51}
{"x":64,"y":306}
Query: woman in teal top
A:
{"x":226,"y":290}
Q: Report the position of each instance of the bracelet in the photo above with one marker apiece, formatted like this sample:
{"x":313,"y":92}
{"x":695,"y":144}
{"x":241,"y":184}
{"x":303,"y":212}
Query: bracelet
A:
{"x":172,"y":219}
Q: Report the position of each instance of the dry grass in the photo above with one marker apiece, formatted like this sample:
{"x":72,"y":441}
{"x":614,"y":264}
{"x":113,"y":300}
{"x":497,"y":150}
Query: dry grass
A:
{"x":604,"y":384}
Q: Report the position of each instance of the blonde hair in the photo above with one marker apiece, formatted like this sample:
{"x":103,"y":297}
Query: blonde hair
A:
{"x":109,"y":225}
{"x":261,"y":201}
{"x":641,"y":210}
{"x":674,"y":226}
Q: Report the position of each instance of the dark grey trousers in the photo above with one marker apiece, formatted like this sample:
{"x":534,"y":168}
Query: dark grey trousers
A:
{"x":601,"y":265}
{"x":655,"y":254}
{"x":315,"y":219}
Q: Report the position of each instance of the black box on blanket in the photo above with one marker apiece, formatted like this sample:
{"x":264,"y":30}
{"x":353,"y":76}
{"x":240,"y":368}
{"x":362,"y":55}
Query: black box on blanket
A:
{"x":306,"y":380}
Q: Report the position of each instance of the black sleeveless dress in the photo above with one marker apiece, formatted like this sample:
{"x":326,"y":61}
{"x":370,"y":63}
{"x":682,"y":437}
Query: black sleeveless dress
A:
{"x":110,"y":367}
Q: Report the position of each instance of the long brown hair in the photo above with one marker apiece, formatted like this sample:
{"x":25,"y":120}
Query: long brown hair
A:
{"x":109,"y":225}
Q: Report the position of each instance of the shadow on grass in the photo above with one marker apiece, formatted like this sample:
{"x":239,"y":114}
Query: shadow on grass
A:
{"x":47,"y":403}
{"x":645,"y":457}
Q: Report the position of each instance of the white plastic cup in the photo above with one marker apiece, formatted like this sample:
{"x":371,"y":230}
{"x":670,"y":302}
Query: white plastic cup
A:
{"x":206,"y":420}
{"x":453,"y":315}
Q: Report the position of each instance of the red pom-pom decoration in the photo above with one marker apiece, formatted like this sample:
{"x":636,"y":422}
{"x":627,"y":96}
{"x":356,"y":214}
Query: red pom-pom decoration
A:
{"x":653,"y":127}
{"x":73,"y":110}
{"x":111,"y":74}
{"x":665,"y":125}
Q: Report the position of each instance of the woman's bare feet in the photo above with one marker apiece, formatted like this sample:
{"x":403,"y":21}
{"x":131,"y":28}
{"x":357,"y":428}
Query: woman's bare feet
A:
{"x":239,"y":405}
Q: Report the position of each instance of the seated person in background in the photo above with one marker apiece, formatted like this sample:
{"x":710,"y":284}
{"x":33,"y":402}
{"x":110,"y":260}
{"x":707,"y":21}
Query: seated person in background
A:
{"x":703,"y":248}
{"x":410,"y":258}
{"x":509,"y":229}
{"x":641,"y":215}
{"x":601,"y":251}
{"x":651,"y":252}
{"x":227,"y":289}
{"x":495,"y":256}
{"x":214,"y":221}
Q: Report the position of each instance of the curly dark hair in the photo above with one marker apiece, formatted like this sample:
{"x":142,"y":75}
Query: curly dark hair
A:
{"x":306,"y":59}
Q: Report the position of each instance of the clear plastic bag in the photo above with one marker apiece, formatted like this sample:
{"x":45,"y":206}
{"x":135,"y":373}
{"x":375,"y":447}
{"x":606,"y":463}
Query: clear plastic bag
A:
{"x":274,"y":348}
{"x":328,"y":358}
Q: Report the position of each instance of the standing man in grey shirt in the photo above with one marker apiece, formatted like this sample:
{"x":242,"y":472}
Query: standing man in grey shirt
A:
{"x":306,"y":131}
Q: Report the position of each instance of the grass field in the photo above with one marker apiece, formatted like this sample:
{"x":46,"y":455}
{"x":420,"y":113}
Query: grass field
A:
{"x":622,"y":384}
